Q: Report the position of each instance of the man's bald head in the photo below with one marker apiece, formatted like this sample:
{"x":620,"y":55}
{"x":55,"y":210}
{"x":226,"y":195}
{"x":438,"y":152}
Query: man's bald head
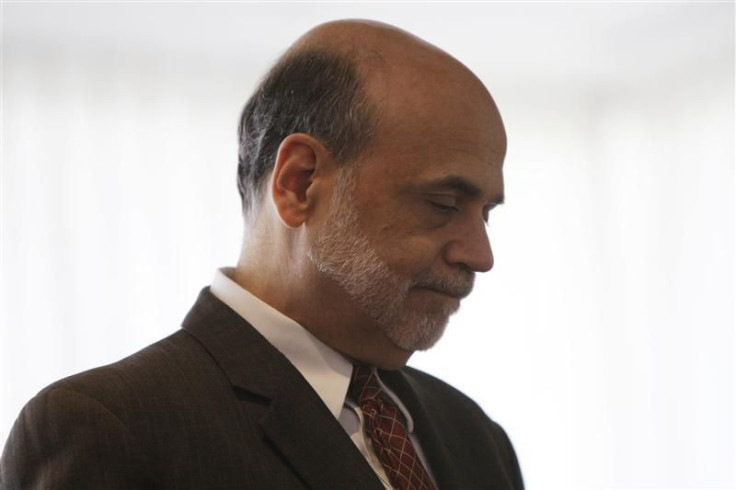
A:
{"x":364,"y":37}
{"x":335,"y":84}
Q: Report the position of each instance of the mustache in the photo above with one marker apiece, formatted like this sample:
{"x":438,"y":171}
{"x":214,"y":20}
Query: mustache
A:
{"x":459,"y":285}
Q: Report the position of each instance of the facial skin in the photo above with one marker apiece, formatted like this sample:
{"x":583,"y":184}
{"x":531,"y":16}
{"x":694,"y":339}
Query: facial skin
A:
{"x":373,"y":259}
{"x":344,"y":253}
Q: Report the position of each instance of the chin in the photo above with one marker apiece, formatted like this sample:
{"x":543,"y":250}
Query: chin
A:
{"x":416,"y":334}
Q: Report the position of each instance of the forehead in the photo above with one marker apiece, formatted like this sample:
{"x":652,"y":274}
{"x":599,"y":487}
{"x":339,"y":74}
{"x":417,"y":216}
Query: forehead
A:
{"x":445,"y":130}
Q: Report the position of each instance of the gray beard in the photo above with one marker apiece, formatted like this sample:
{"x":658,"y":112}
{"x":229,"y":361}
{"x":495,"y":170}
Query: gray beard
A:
{"x":344,"y":254}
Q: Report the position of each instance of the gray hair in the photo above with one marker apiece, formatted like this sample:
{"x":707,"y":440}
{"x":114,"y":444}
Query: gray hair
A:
{"x":310,"y":91}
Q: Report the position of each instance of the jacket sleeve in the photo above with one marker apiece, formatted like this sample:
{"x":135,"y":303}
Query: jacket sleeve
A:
{"x":63,"y":439}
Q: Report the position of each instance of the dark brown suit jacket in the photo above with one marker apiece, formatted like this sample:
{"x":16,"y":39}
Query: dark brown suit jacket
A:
{"x":215,"y":406}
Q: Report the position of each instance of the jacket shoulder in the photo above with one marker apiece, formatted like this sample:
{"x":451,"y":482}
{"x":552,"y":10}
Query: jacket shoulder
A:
{"x":158,"y":370}
{"x":119,"y":425}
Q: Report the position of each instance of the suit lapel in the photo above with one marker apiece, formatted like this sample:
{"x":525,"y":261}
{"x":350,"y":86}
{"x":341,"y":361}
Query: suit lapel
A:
{"x":297,"y":423}
{"x":321,"y":453}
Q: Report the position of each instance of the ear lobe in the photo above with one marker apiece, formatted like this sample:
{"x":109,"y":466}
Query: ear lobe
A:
{"x":296,"y":163}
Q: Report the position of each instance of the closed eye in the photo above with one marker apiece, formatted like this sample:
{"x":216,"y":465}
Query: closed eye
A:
{"x":443,"y":207}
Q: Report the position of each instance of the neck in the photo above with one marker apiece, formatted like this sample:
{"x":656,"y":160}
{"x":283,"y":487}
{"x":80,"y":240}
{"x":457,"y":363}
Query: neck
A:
{"x":292,"y":285}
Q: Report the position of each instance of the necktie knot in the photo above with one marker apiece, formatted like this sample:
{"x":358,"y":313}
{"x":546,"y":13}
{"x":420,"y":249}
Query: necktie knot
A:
{"x":364,"y":385}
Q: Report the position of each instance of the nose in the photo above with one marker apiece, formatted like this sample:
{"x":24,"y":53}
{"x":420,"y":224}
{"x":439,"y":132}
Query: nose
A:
{"x":471,"y":248}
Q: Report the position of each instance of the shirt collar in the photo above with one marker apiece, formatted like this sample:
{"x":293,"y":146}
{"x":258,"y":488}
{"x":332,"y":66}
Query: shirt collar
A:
{"x":327,"y":371}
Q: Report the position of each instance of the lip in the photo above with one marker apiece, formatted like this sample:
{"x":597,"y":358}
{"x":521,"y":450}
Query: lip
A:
{"x":438,"y":291}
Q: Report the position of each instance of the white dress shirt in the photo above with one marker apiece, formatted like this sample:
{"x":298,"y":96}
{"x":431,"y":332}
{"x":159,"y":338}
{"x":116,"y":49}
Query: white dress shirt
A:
{"x":327,"y":371}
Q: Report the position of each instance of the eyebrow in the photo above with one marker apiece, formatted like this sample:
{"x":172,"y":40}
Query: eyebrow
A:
{"x":462,"y":185}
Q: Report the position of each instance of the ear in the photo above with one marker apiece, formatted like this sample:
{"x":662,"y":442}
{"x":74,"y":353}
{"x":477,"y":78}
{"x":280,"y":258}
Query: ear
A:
{"x":298,"y":161}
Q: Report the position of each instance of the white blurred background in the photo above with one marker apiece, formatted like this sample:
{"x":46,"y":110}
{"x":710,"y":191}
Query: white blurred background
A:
{"x":603,"y":340}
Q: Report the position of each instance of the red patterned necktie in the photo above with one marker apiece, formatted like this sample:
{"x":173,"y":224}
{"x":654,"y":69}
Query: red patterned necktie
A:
{"x":385,"y":425}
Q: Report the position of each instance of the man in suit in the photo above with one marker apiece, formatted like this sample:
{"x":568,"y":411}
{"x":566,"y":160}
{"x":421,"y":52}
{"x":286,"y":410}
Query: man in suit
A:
{"x":369,"y":161}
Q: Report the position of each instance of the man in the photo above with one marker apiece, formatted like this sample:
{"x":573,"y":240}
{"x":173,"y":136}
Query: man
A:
{"x":369,"y":161}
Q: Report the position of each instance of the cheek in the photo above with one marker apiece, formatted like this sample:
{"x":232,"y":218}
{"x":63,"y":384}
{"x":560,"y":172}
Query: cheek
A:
{"x":401,"y":237}
{"x":408,"y":254}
